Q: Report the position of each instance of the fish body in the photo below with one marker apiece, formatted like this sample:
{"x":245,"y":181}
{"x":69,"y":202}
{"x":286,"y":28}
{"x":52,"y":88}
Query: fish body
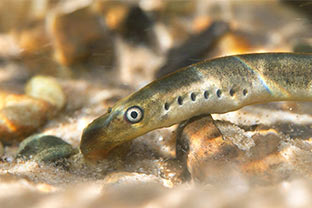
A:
{"x":213,"y":86}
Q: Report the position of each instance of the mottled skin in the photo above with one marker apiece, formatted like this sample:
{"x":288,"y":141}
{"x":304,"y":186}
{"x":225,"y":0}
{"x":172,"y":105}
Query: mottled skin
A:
{"x":232,"y":83}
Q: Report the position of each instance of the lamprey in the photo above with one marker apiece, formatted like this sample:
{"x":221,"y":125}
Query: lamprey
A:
{"x":213,"y":86}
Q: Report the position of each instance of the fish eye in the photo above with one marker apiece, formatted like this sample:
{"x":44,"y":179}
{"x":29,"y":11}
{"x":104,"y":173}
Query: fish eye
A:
{"x":134,"y":114}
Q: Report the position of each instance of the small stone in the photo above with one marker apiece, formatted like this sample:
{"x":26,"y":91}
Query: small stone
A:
{"x":81,"y":35}
{"x":44,"y":148}
{"x":215,"y":151}
{"x":202,"y":149}
{"x":20,"y":115}
{"x":46,"y":88}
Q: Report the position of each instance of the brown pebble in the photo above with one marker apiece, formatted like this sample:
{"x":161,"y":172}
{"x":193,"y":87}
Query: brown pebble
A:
{"x":213,"y":156}
{"x":206,"y":153}
{"x":20,"y":115}
{"x":80,"y":35}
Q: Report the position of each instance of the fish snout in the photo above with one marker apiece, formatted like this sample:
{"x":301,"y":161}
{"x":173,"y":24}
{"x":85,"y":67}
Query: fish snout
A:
{"x":94,"y":143}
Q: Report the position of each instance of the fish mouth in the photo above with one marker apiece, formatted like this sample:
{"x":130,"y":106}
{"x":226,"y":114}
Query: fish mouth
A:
{"x":95,"y":143}
{"x":89,"y":145}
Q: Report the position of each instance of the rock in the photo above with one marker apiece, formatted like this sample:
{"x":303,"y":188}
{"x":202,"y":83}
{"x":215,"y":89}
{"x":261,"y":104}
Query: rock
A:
{"x":81,"y":35}
{"x":202,"y":149}
{"x":46,"y":88}
{"x":44,"y":148}
{"x":20,"y":115}
{"x":214,"y":151}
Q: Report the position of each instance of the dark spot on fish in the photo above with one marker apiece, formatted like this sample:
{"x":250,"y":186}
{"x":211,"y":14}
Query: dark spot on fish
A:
{"x":180,"y":100}
{"x":219,"y":93}
{"x":193,"y":96}
{"x":232,"y":92}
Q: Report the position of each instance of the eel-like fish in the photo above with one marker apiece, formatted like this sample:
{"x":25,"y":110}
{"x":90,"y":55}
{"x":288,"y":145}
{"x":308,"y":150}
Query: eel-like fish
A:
{"x":213,"y":86}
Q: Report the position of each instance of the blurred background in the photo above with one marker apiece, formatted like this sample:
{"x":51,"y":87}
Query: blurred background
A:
{"x":132,"y":42}
{"x":64,"y":62}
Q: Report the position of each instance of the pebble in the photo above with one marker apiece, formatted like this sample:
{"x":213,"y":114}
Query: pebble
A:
{"x":46,"y":88}
{"x":20,"y":115}
{"x":202,"y":149}
{"x":44,"y":148}
{"x":80,"y":35}
{"x":211,"y":151}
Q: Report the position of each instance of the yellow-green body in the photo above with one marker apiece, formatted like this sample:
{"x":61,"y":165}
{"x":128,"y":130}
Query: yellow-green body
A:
{"x":232,"y":82}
